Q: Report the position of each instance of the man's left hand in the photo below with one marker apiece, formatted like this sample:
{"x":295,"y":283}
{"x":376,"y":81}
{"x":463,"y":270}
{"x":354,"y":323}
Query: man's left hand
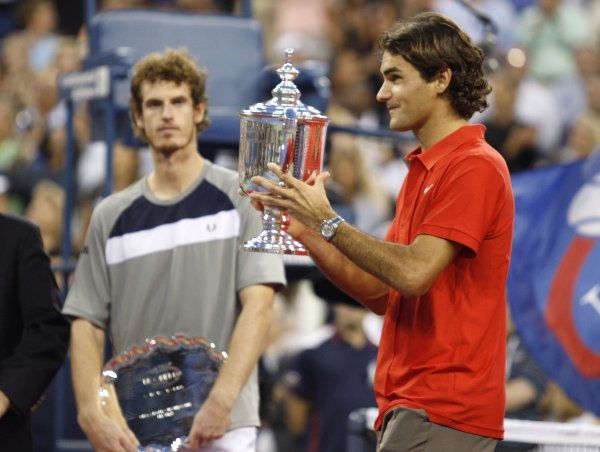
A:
{"x":307,"y":203}
{"x":4,"y":404}
{"x":212,"y":421}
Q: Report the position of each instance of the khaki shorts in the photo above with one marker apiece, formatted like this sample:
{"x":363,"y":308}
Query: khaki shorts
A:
{"x":410,"y":430}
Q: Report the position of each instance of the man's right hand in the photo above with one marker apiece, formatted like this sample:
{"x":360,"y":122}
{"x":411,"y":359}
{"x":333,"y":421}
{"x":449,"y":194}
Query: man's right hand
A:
{"x":106,"y":434}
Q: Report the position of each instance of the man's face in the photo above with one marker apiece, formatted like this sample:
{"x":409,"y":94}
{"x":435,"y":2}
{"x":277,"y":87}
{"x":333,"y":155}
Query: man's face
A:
{"x":408,"y":97}
{"x":348,"y":317}
{"x":168,"y":116}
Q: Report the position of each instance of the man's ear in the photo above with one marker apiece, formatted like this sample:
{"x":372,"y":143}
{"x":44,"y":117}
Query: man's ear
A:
{"x":137,"y":117}
{"x":442,"y":80}
{"x":199,"y":112}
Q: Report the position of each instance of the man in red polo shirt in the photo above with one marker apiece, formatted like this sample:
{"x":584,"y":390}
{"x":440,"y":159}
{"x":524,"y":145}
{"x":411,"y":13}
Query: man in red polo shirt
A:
{"x":439,"y":277}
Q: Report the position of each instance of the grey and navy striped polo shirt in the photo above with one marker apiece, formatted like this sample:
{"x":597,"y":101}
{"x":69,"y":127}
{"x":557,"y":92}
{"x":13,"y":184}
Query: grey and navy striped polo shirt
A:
{"x":153,"y":267}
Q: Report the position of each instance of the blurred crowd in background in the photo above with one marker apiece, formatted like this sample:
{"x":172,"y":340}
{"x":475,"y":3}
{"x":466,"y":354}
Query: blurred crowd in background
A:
{"x":544,"y":66}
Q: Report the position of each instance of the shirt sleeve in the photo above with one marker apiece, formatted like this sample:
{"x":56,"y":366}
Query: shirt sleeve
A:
{"x":256,"y":268}
{"x":466,"y":204}
{"x":89,"y":295}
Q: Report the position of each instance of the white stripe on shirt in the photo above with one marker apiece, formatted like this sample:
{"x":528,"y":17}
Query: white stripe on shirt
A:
{"x":223,"y":225}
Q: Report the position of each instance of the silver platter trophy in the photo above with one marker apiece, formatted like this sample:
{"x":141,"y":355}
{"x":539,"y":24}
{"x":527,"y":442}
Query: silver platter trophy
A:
{"x":292,"y":135}
{"x":159,"y":387}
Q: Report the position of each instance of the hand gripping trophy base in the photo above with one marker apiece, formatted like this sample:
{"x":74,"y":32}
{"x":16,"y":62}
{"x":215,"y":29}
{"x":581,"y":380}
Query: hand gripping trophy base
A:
{"x":274,"y":237}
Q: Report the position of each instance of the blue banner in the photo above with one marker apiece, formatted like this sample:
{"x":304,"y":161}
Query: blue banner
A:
{"x":554,"y":279}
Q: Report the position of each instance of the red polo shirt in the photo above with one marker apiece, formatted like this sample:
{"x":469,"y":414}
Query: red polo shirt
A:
{"x":444,"y":352}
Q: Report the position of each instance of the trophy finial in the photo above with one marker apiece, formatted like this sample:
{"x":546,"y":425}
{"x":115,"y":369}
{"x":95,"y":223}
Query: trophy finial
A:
{"x":288,"y":56}
{"x":287,"y":93}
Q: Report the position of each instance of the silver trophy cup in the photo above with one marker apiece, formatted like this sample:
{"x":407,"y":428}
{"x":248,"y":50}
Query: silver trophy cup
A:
{"x":157,"y":388}
{"x":292,"y":135}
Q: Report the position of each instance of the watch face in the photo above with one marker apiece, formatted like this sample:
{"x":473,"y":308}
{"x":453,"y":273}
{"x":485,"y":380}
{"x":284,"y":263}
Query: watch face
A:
{"x":327,"y":230}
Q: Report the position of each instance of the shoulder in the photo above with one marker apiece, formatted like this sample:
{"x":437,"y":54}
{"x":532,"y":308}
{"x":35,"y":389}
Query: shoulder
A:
{"x":227,"y":182}
{"x":223,"y":178}
{"x":482,"y":159}
{"x":15,"y":227}
{"x":109,"y":208}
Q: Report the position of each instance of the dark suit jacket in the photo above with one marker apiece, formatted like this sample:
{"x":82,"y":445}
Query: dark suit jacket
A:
{"x":33,"y":333}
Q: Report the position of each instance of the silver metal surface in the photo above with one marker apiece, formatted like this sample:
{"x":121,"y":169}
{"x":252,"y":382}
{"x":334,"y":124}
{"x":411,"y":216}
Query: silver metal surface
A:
{"x":292,"y":135}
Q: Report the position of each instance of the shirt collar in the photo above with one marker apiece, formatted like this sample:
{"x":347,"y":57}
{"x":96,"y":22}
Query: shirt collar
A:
{"x":446,"y":145}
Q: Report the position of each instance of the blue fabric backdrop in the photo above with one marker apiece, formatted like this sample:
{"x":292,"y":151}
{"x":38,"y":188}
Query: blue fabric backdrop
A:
{"x":554,"y":279}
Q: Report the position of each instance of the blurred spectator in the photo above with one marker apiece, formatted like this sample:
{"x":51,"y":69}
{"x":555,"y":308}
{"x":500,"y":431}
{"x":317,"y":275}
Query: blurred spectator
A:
{"x":17,"y":77}
{"x":550,"y":31}
{"x":45,"y":210}
{"x":570,"y":91}
{"x":326,"y":383}
{"x":525,"y":381}
{"x":391,"y":168}
{"x":4,"y":190}
{"x":204,"y":6}
{"x":304,"y":26}
{"x":525,"y":386}
{"x":594,"y":16}
{"x":40,"y":20}
{"x":535,"y":105}
{"x":593,"y":102}
{"x":370,"y":208}
{"x":10,"y":143}
{"x":501,"y":12}
{"x":120,"y":4}
{"x":352,"y":94}
{"x":583,"y":139}
{"x":68,"y":56}
{"x":515,"y":140}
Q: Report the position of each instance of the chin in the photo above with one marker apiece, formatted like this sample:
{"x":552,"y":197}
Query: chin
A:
{"x":397,"y":126}
{"x":167,"y":148}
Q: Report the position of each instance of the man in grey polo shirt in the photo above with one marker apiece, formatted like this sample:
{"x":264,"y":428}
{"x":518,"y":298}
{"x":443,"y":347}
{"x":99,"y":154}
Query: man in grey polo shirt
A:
{"x":161,"y":257}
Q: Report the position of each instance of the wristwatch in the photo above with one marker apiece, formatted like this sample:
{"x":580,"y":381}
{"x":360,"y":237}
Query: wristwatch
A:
{"x":329,"y":227}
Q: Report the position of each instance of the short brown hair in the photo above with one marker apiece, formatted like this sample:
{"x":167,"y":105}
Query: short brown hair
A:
{"x":433,"y":43}
{"x":171,"y":66}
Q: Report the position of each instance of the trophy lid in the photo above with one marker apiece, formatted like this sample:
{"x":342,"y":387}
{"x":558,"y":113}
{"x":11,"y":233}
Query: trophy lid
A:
{"x":286,"y":97}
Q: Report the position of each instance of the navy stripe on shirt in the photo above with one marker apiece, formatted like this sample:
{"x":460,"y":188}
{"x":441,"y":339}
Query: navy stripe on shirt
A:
{"x":142,"y":214}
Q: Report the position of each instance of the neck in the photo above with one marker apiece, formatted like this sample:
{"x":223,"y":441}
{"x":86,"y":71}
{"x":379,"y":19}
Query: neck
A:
{"x":437,"y":128}
{"x":174,"y":173}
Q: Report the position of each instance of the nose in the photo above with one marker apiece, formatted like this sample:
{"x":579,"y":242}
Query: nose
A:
{"x":167,"y":112}
{"x":384,"y":94}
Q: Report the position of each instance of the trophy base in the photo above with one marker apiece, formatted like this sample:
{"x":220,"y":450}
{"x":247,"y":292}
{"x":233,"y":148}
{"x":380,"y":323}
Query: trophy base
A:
{"x":275,"y":242}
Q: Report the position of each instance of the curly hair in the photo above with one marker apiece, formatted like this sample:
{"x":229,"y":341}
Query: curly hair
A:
{"x":433,"y":43}
{"x":171,"y":66}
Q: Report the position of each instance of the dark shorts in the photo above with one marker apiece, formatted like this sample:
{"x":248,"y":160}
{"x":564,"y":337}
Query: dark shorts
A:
{"x":410,"y":430}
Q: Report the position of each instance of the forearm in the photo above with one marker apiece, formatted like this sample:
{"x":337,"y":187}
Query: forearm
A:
{"x":87,"y":357}
{"x":349,"y":277}
{"x":393,"y":264}
{"x":410,"y":269}
{"x":247,"y":342}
